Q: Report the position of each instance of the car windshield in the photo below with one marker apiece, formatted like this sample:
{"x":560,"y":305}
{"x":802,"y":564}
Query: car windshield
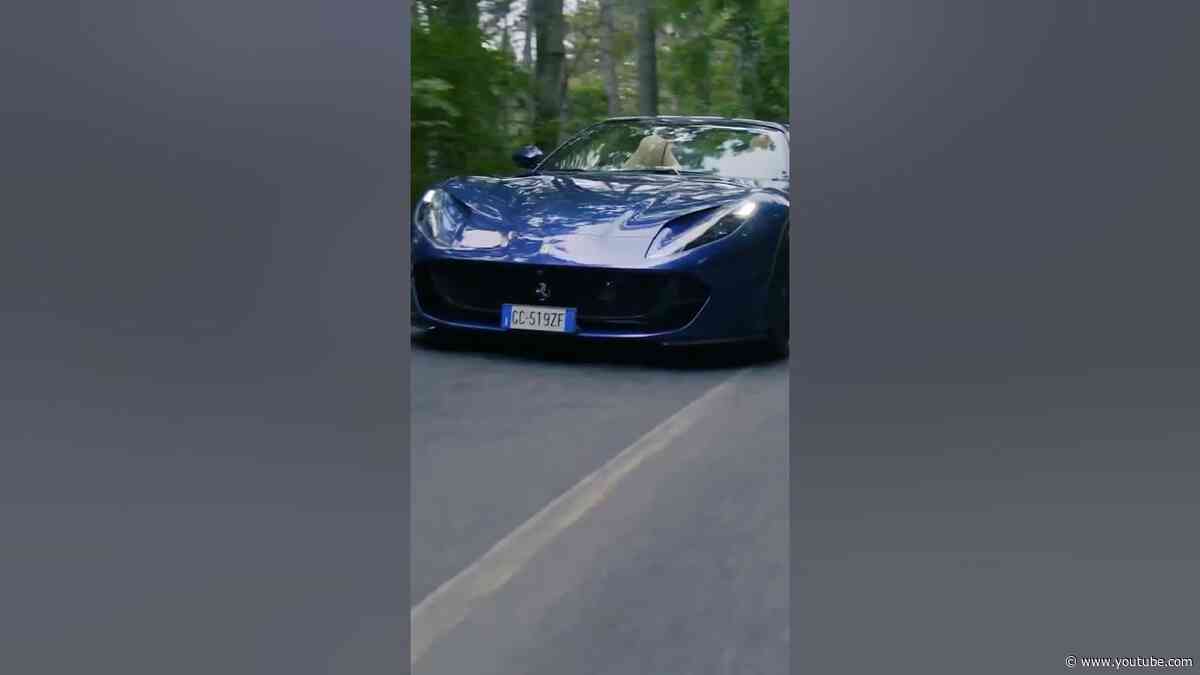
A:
{"x":757,"y":153}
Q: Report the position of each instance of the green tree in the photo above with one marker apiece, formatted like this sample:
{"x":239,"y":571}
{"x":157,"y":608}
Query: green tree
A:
{"x":549,"y":27}
{"x":459,"y":93}
{"x":647,"y":58}
{"x":490,"y":75}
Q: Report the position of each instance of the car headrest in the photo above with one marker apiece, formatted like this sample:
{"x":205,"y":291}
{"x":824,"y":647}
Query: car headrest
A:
{"x":653,"y":152}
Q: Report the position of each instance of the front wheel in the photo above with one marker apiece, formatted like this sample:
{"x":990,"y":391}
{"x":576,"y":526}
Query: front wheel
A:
{"x":777,"y":332}
{"x":778,"y":311}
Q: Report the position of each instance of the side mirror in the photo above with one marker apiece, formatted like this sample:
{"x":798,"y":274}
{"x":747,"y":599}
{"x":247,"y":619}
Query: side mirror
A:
{"x":528,"y":157}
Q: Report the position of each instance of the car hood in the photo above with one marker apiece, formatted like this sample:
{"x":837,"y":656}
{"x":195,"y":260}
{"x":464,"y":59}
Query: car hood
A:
{"x":590,"y":218}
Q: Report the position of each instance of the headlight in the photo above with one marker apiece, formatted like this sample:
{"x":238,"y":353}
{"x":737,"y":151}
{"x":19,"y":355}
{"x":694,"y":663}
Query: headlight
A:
{"x":686,"y":233}
{"x":439,"y":217}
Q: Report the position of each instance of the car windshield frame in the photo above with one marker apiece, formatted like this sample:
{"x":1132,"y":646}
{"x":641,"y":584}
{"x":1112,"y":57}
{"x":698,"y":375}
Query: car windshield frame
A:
{"x":779,"y":139}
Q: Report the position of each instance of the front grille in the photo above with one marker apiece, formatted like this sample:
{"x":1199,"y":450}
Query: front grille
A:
{"x":606,"y":299}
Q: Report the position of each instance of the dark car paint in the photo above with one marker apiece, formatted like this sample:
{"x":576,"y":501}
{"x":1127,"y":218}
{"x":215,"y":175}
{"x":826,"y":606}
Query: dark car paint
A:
{"x":609,"y":219}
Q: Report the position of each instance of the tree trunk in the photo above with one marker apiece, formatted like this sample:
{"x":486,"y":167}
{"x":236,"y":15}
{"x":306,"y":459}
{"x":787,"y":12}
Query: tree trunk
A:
{"x":505,"y":40}
{"x":646,"y":59}
{"x":527,"y":60}
{"x":747,"y":60}
{"x":527,"y":54}
{"x":564,"y":106}
{"x":549,"y":72}
{"x":704,"y":70}
{"x":462,"y":13}
{"x":608,"y":60}
{"x":504,"y":106}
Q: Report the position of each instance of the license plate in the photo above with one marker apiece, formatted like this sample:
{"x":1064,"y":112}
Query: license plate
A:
{"x":532,"y":317}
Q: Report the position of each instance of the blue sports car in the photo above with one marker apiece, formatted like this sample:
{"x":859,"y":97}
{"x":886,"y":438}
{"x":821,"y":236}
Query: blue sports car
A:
{"x":672,"y":230}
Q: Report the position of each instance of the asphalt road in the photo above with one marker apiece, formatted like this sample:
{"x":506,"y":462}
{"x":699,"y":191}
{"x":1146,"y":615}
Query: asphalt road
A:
{"x":681,"y":567}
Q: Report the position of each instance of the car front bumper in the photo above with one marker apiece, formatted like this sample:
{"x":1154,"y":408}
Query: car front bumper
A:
{"x":733,"y":308}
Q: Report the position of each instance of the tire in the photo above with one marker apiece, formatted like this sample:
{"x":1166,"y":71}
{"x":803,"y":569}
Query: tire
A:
{"x":777,"y":331}
{"x":778,"y":308}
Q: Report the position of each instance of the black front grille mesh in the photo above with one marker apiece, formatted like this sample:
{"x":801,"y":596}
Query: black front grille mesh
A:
{"x":606,"y":299}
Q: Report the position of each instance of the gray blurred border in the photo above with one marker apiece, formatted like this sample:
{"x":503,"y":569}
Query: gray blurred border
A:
{"x":796,"y":239}
{"x":994,"y":371}
{"x":404,"y":411}
{"x":203,"y":337}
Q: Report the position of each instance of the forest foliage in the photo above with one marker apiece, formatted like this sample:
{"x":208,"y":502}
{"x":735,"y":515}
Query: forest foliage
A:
{"x":492,"y":75}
